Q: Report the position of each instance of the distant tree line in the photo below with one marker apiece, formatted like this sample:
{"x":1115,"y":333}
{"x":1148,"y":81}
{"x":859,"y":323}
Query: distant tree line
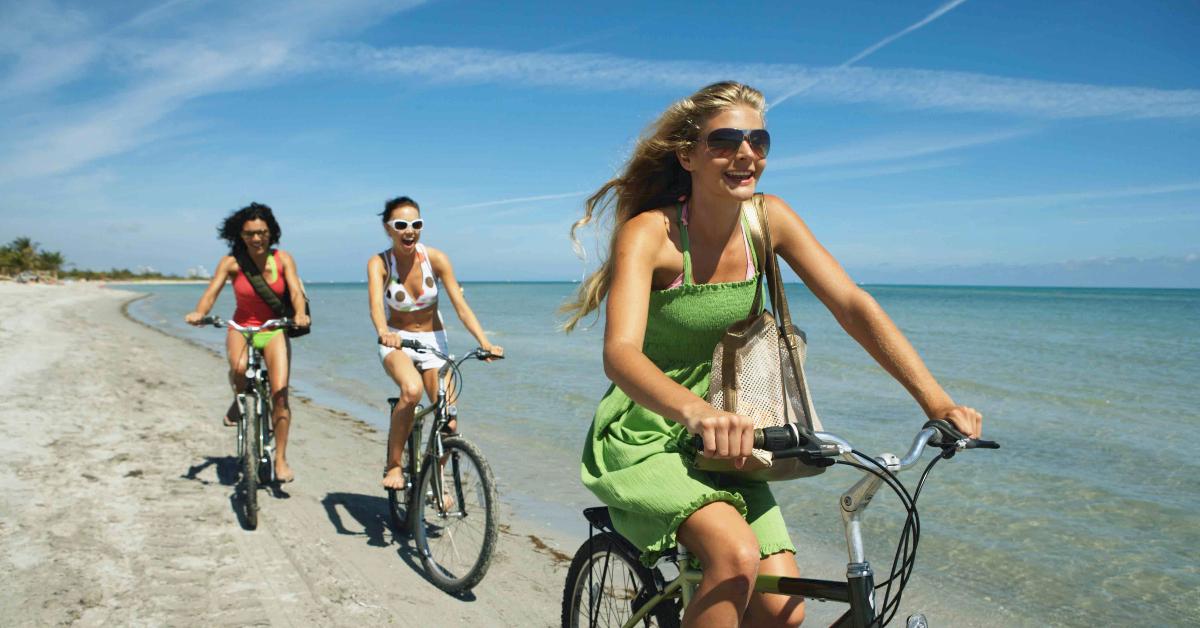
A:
{"x":23,"y":255}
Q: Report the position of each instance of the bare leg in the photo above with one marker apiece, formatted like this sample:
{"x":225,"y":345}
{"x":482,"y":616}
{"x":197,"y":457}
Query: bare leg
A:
{"x":726,"y":546}
{"x":400,"y":367}
{"x":770,"y":609}
{"x":235,"y":351}
{"x":278,"y":355}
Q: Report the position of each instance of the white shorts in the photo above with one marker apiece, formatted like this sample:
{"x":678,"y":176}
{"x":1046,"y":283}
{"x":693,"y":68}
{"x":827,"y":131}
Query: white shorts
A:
{"x":424,"y":361}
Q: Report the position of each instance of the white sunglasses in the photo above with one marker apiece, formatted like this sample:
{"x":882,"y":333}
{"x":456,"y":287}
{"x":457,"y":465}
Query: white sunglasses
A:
{"x":401,"y":225}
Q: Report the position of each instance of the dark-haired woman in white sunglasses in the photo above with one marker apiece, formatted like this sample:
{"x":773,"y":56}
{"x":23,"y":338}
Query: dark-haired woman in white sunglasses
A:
{"x":402,"y":283}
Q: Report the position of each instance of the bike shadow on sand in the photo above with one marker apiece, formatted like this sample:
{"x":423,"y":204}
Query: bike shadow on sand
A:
{"x":370,"y":512}
{"x":228,"y":470}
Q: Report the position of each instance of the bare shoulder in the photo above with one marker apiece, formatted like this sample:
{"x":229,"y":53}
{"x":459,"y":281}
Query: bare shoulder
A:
{"x":285,"y":257}
{"x":437,"y":257}
{"x":647,"y":229}
{"x":778,"y":207}
{"x":228,"y":264}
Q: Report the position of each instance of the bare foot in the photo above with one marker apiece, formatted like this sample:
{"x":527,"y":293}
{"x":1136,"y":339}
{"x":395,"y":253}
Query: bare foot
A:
{"x":394,"y":479}
{"x":448,"y":500}
{"x":283,"y":472}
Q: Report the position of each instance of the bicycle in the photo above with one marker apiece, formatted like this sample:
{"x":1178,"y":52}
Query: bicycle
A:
{"x":255,"y":438}
{"x":607,"y":585}
{"x":454,"y":505}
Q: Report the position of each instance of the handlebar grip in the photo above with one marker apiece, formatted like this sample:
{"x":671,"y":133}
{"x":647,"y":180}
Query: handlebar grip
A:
{"x":768,"y":438}
{"x":210,"y":320}
{"x":408,"y":343}
{"x":947,"y":435}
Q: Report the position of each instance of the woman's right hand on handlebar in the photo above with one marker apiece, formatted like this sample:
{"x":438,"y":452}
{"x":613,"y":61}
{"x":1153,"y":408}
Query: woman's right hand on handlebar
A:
{"x":725,"y":434}
{"x":193,"y":318}
{"x":390,"y":340}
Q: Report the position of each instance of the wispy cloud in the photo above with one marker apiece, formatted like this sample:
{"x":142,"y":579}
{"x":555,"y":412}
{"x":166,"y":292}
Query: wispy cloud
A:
{"x":514,"y":201}
{"x":844,"y":174}
{"x":938,"y":12}
{"x":1056,"y":197}
{"x":246,"y":46}
{"x":891,"y":148}
{"x":906,"y":88}
{"x":47,"y":45}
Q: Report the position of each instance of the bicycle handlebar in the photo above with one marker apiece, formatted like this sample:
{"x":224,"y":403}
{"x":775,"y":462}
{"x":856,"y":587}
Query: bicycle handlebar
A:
{"x":789,"y":441}
{"x":274,"y":323}
{"x":417,"y":345}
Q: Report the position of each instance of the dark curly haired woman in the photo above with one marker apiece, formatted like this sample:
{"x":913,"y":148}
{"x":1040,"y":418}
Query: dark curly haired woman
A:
{"x":253,"y":231}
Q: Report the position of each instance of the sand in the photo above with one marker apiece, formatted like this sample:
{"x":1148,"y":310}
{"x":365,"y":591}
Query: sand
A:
{"x":116,"y":481}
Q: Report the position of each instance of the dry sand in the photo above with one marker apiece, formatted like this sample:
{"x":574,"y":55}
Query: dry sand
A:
{"x":116,"y":482}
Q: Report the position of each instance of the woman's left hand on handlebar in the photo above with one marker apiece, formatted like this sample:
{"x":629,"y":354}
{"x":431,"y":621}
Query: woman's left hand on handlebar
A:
{"x":968,"y":420}
{"x":302,"y":320}
{"x":495,"y":350}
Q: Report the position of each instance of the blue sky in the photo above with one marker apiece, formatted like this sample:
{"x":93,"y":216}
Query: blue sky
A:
{"x":968,"y":141}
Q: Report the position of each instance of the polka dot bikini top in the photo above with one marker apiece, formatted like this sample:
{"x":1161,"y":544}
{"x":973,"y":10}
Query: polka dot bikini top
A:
{"x":396,"y":297}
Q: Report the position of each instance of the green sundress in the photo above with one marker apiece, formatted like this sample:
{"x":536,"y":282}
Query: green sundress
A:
{"x":637,"y":462}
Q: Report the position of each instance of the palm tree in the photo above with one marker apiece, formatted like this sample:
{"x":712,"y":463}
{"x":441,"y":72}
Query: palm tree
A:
{"x":25,"y":250}
{"x":50,"y":260}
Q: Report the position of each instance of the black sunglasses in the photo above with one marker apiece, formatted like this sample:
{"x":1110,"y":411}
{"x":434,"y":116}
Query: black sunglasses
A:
{"x":726,"y":142}
{"x":401,"y":225}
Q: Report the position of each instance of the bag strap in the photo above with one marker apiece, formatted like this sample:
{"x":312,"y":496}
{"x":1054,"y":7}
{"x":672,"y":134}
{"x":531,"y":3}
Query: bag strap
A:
{"x":254,"y":276}
{"x":760,"y":243}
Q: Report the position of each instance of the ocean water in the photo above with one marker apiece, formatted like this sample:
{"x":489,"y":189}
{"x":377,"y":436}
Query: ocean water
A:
{"x":1089,"y":515}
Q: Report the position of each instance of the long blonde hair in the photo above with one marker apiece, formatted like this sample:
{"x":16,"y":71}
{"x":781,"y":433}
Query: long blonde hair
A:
{"x":652,"y":178}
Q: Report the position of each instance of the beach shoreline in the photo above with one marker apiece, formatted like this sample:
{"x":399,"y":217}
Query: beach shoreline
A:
{"x":118,"y":483}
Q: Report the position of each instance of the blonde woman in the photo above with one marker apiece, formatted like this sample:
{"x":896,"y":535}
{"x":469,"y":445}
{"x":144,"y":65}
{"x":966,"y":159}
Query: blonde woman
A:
{"x":681,"y":269}
{"x":402,"y":285}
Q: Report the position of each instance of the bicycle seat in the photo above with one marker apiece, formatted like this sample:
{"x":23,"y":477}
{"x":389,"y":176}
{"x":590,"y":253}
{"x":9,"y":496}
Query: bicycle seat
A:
{"x":599,"y":518}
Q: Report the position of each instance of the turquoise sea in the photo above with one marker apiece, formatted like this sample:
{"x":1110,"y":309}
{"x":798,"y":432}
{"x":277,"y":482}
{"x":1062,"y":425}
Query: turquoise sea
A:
{"x":1089,"y":515}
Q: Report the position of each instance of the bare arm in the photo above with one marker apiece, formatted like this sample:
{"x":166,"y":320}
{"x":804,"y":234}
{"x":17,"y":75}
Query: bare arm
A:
{"x":445,"y":271}
{"x":220,"y":276}
{"x":376,"y":275}
{"x":292,"y":278}
{"x":861,"y":316}
{"x":639,"y":246}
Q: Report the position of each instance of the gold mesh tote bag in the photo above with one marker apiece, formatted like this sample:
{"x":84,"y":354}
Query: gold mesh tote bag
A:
{"x":758,"y":367}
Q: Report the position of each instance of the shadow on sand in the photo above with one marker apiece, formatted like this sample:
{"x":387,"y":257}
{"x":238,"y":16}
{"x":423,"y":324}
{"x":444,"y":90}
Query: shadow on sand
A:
{"x":371,"y":513}
{"x":228,"y":470}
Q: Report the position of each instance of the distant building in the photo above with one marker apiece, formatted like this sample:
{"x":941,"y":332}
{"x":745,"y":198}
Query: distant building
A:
{"x":197,"y":272}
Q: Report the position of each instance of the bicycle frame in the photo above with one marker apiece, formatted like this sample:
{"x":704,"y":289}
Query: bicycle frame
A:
{"x":257,"y":387}
{"x":433,"y":451}
{"x":859,"y":588}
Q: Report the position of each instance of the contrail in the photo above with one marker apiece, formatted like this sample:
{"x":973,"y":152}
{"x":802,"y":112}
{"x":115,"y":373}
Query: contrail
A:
{"x":938,"y":12}
{"x":510,"y":201}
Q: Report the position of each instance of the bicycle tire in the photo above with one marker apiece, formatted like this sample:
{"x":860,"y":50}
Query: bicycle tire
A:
{"x":615,"y":583}
{"x":250,"y":460}
{"x":266,"y":468}
{"x":439,"y":535}
{"x":398,"y":509}
{"x":399,"y":501}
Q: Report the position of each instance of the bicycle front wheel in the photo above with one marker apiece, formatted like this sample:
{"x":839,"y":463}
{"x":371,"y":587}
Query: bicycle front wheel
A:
{"x":251,"y":446}
{"x":454,"y":518}
{"x":607,"y":584}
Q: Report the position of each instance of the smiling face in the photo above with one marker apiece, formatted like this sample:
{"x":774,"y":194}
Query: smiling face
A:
{"x":717,"y":175}
{"x":256,"y":235}
{"x":405,"y":240}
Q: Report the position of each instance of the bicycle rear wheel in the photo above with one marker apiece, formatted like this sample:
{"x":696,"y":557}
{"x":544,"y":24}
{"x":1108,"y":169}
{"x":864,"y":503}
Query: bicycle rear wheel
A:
{"x":607,"y":583}
{"x":454,"y":518}
{"x":251,"y":446}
